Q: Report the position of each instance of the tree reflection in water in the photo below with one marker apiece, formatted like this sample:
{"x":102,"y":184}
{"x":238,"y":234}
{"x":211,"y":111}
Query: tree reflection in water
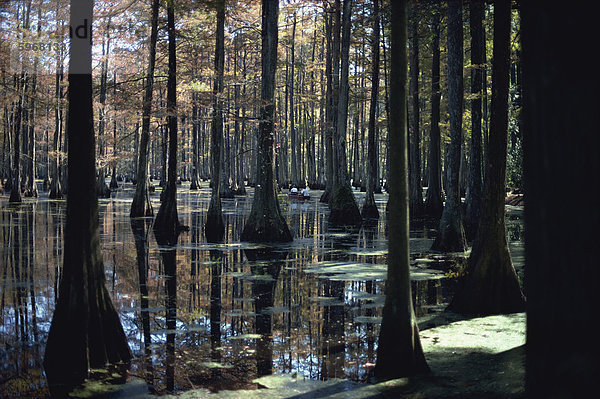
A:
{"x":184,"y":308}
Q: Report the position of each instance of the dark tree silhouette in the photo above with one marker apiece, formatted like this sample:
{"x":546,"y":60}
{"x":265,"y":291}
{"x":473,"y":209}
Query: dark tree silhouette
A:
{"x":491,"y":285}
{"x":332,"y":65}
{"x":399,"y":353}
{"x":214,"y":229}
{"x":414,"y":158}
{"x":433,"y":200}
{"x":167,"y":225}
{"x":343,"y":207}
{"x":473,"y":198}
{"x":451,"y":234}
{"x":86,"y":331}
{"x":369,"y":208}
{"x":265,"y":222}
{"x":560,"y":143}
{"x":141,"y":205}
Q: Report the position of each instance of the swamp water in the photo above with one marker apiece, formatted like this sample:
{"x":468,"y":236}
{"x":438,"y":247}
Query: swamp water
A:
{"x":217,"y":316}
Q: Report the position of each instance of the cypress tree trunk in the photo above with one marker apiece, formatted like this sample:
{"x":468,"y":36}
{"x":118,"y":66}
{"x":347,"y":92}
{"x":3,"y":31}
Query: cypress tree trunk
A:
{"x":265,"y":222}
{"x":451,"y":235}
{"x":332,"y":33}
{"x":141,"y":205}
{"x":473,"y":199}
{"x":414,"y":158}
{"x":433,"y":200}
{"x":101,"y":187}
{"x":399,"y":353}
{"x":343,"y":207}
{"x":491,"y":285}
{"x":15,"y":192}
{"x":86,"y":331}
{"x":195,"y":180}
{"x":215,"y":227}
{"x":167,"y":225}
{"x":55,"y":186}
{"x":369,"y":208}
{"x":561,"y":144}
{"x":295,"y":172}
{"x":30,"y":186}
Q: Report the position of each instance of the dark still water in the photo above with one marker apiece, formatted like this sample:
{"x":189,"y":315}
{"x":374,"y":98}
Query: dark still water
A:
{"x":216,"y":316}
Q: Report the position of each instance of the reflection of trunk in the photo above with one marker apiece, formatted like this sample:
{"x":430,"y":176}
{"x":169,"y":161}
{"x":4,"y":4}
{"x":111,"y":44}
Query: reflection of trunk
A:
{"x":333,"y":348}
{"x":214,"y":228}
{"x":140,"y":234}
{"x":266,"y":223}
{"x":399,"y":353}
{"x":451,"y":235}
{"x":141,"y":205}
{"x":86,"y":331}
{"x":170,"y":267}
{"x":216,"y":258}
{"x":263,"y":292}
{"x":491,"y":285}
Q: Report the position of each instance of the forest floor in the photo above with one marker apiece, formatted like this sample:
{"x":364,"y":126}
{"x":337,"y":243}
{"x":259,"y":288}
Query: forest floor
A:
{"x":480,"y":357}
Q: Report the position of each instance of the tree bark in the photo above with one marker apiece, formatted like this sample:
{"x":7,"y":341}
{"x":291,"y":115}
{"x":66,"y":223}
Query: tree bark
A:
{"x":399,"y":353}
{"x":343,"y":207}
{"x":167,"y":225}
{"x":55,"y":186}
{"x":491,"y":285}
{"x":86,"y":331}
{"x":473,"y":198}
{"x":295,"y":174}
{"x":141,"y":205}
{"x":369,"y":208}
{"x":415,"y":185}
{"x":433,"y":200}
{"x":101,"y":187}
{"x":451,"y":234}
{"x":560,"y":124}
{"x":265,"y":222}
{"x":214,"y":228}
{"x":332,"y":33}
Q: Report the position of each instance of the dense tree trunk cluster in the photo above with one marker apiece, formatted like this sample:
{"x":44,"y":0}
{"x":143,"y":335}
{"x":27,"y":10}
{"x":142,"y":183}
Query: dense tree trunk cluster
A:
{"x":338,"y":96}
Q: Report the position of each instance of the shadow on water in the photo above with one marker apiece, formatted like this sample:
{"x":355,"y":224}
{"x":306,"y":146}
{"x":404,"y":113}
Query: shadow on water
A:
{"x":216,"y":316}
